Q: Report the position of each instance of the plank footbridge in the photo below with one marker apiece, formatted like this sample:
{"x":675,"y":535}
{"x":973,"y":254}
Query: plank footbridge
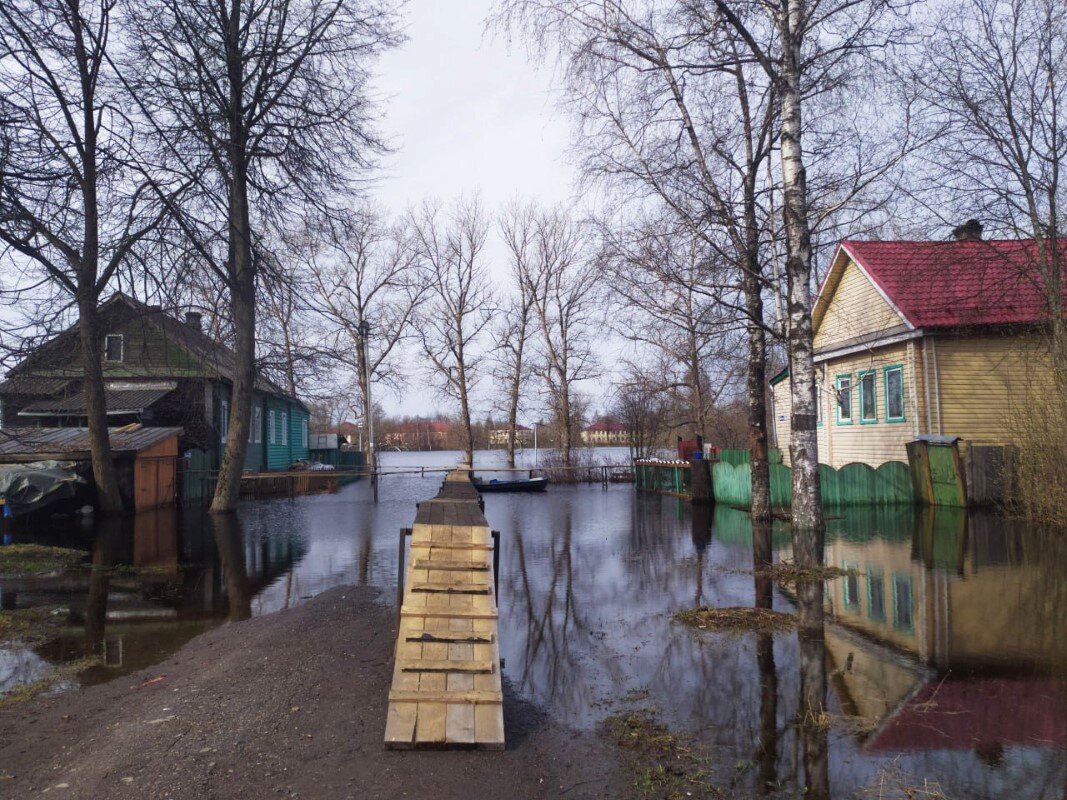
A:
{"x":446,"y":688}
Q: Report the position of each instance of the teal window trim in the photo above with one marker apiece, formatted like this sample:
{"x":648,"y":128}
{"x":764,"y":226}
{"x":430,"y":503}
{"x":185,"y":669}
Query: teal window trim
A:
{"x":872,"y":575}
{"x":837,"y":404}
{"x":885,"y":383}
{"x":873,"y":375}
{"x":910,"y":627}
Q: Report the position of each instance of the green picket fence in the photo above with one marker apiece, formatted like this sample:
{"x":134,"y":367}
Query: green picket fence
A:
{"x":852,"y":484}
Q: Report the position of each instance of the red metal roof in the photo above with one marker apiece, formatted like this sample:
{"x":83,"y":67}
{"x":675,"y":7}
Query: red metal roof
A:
{"x":948,"y":284}
{"x":963,"y":714}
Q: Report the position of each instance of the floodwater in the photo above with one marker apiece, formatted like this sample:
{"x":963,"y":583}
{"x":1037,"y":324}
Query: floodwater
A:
{"x":943,"y":651}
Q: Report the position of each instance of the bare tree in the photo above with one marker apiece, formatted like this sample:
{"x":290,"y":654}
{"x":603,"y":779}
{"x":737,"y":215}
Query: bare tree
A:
{"x":262,"y":105}
{"x":561,"y":278}
{"x":992,"y":84}
{"x":641,"y":405}
{"x":71,"y":209}
{"x":664,"y":285}
{"x":365,"y":286}
{"x":511,"y":337}
{"x":451,"y":250}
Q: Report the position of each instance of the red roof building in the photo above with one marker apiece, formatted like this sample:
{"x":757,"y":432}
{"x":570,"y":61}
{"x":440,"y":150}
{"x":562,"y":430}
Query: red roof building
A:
{"x":918,"y":338}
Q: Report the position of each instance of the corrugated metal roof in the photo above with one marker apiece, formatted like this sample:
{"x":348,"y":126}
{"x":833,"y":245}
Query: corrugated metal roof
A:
{"x":72,"y":442}
{"x":33,"y":385}
{"x":122,"y":401}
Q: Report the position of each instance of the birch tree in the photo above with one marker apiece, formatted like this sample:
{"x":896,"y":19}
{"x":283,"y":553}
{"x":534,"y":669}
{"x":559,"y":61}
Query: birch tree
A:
{"x":263,"y":107}
{"x":71,"y":208}
{"x":450,"y":247}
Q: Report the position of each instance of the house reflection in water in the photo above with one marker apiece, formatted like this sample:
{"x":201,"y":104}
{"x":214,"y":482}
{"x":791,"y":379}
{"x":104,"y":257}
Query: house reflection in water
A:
{"x":156,"y":580}
{"x":947,"y":633}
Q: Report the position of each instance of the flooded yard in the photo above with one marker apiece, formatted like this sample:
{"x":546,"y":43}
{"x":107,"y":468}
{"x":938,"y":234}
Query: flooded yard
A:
{"x":945,"y":646}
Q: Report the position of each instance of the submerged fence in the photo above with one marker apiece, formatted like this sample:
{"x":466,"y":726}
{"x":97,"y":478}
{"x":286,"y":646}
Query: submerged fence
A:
{"x":731,"y":478}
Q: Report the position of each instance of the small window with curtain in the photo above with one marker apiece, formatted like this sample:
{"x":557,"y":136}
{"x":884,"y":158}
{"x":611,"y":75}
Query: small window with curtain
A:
{"x":257,"y":426}
{"x":114,"y":348}
{"x":285,"y":428}
{"x":844,"y":399}
{"x":894,"y":394}
{"x":868,"y":398}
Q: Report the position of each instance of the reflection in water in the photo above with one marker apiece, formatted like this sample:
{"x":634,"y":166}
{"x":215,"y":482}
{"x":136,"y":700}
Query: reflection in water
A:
{"x":942,"y":655}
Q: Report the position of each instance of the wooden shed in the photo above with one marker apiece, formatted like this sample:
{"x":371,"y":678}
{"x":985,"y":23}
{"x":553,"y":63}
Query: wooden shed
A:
{"x":146,"y":458}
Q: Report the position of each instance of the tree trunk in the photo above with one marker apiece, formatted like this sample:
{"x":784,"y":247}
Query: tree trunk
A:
{"x":565,"y":410}
{"x":242,"y":283}
{"x":806,"y":508}
{"x":468,"y":429}
{"x":757,"y":394}
{"x":107,"y":486}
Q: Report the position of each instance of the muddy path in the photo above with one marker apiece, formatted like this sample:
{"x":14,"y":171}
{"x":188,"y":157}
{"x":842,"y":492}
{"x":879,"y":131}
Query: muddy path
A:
{"x":285,"y":705}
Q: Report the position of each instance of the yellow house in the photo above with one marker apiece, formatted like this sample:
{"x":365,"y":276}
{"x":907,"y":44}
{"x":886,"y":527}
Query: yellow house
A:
{"x":922,"y":338}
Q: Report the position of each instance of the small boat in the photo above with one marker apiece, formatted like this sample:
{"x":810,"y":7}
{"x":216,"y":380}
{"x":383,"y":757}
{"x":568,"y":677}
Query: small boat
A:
{"x":518,"y":485}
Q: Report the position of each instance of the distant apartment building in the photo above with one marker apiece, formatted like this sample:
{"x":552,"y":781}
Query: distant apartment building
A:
{"x":498,"y":437}
{"x":607,"y":432}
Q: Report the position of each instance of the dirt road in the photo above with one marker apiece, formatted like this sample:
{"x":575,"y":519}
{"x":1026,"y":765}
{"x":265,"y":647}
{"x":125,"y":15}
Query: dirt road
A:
{"x":285,"y":705}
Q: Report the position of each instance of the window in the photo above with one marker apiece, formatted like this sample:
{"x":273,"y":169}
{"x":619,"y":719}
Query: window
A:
{"x":875,"y":595}
{"x":257,"y":425}
{"x":844,"y":399}
{"x":818,"y":402}
{"x":852,"y":587}
{"x":113,"y":347}
{"x":271,"y":434}
{"x":902,"y":602}
{"x":868,"y":398}
{"x":285,"y":428}
{"x":894,"y":394}
{"x":303,"y":433}
{"x":224,"y":422}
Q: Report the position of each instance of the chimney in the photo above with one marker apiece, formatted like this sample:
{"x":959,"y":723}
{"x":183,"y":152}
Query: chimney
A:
{"x":969,"y":231}
{"x":193,"y":319}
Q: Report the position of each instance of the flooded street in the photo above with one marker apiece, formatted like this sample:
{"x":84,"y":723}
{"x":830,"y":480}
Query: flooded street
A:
{"x":945,"y":646}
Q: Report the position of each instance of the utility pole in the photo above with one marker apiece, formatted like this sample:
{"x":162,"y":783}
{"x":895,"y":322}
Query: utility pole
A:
{"x":372,"y":453}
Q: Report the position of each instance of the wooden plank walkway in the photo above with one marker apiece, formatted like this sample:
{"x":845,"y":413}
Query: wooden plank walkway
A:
{"x":446,"y":689}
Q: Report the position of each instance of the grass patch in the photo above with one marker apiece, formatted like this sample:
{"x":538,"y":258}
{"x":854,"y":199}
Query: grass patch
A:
{"x":736,"y":619}
{"x":34,"y":559}
{"x":664,"y":764}
{"x":31,"y":626}
{"x":787,"y":572}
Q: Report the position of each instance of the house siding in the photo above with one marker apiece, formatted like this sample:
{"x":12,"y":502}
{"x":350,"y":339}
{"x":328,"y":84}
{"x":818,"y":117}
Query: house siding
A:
{"x":281,"y":454}
{"x":984,"y":381}
{"x":871,"y":443}
{"x":856,"y":309}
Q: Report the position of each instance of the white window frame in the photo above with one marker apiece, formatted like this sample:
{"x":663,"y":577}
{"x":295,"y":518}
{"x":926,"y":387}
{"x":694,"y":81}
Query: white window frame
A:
{"x":122,"y":348}
{"x":224,"y":420}
{"x":272,"y":434}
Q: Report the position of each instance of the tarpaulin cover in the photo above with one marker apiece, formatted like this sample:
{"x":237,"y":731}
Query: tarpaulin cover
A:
{"x":27,"y":487}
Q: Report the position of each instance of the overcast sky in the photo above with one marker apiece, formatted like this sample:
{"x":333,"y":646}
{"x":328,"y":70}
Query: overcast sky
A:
{"x":466,"y":114}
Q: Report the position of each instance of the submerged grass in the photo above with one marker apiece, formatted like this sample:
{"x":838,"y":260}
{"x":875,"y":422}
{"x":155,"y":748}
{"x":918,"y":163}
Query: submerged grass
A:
{"x":664,"y":764}
{"x":29,"y":626}
{"x":789,"y":572}
{"x":736,"y":619}
{"x":19,"y":560}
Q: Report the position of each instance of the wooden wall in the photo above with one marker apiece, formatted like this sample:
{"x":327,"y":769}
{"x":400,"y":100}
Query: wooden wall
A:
{"x":856,"y":309}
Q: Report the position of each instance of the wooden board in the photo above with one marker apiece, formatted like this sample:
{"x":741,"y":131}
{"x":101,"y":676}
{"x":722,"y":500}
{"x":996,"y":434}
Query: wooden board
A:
{"x":446,"y":689}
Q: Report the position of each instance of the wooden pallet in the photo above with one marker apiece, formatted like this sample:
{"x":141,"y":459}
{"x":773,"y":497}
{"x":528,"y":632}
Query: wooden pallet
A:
{"x":446,"y":688}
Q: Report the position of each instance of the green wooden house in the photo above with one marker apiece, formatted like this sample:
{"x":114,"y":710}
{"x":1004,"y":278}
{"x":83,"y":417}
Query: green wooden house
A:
{"x":159,"y":370}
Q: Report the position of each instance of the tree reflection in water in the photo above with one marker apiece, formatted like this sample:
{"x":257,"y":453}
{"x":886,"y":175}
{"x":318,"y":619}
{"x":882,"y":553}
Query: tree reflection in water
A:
{"x":230,"y":544}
